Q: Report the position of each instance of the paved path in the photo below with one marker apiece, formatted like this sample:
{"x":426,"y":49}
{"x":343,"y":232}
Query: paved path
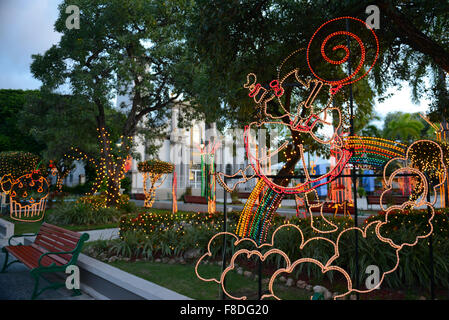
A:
{"x":17,"y":284}
{"x":288,"y":212}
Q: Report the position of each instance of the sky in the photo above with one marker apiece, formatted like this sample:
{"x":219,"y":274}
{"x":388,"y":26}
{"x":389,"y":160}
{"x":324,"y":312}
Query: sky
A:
{"x":26,"y":28}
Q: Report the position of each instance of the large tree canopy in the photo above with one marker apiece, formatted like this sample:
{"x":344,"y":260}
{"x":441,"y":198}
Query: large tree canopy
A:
{"x":230,"y":39}
{"x":233,"y":38}
{"x":12,"y":136}
{"x":122,"y":47}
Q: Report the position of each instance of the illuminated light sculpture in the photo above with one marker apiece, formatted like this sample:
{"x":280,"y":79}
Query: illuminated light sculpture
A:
{"x":28,"y":195}
{"x":153,"y":170}
{"x":173,"y":192}
{"x":373,"y":152}
{"x":208,"y":178}
{"x":354,"y":76}
{"x":53,"y":169}
{"x":267,"y":194}
{"x":442,"y":137}
{"x":331,"y":263}
{"x":255,"y":217}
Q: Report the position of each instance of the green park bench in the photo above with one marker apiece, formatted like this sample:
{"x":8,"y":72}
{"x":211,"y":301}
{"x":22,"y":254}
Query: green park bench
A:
{"x":53,"y":250}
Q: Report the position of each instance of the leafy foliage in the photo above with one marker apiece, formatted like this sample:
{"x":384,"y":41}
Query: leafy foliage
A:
{"x":155,"y":166}
{"x":12,"y":135}
{"x":18,"y":163}
{"x":149,"y":235}
{"x":69,"y":213}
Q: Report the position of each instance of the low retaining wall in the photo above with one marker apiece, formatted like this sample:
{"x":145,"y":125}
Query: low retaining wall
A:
{"x":6,"y":229}
{"x":105,"y":282}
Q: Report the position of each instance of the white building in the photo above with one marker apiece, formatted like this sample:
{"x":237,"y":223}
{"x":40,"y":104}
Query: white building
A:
{"x":182,"y":148}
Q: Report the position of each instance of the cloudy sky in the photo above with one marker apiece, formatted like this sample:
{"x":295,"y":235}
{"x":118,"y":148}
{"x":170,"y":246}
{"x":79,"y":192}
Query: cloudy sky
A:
{"x":26,"y":28}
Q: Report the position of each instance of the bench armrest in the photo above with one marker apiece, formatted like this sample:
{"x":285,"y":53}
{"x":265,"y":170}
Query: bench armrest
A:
{"x":21,"y":235}
{"x":48,"y":253}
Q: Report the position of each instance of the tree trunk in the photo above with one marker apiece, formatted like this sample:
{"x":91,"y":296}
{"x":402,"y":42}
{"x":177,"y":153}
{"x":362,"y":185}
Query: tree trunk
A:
{"x":112,"y":192}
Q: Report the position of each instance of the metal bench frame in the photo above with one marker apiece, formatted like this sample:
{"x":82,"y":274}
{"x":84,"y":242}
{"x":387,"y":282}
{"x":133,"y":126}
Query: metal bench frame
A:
{"x":53,"y":267}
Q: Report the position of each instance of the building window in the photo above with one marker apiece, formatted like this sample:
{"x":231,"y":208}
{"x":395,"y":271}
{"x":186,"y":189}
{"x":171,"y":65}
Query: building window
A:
{"x":195,"y":178}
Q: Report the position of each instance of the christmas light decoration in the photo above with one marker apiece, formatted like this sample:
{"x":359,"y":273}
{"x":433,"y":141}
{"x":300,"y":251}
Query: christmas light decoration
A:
{"x":173,"y":192}
{"x":421,"y":156}
{"x":106,"y":167}
{"x":208,"y":178}
{"x":353,"y":77}
{"x":28,"y":195}
{"x":17,"y":163}
{"x":376,"y":226}
{"x":153,"y":170}
{"x":373,"y":152}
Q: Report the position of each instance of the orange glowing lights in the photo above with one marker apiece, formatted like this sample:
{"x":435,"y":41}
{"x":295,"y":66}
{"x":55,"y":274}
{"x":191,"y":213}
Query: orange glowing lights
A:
{"x":28,"y":196}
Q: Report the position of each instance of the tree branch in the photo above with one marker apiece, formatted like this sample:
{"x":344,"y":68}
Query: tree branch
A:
{"x":410,"y":35}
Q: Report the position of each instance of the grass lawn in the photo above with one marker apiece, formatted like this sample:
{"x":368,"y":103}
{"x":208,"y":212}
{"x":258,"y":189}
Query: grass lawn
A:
{"x":182,"y":279}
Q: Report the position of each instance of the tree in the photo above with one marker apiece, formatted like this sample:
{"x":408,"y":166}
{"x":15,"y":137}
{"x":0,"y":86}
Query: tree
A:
{"x":233,"y":38}
{"x":66,"y":122}
{"x":121,"y":47}
{"x":12,"y":136}
{"x":230,"y":39}
{"x":401,"y":126}
{"x":18,"y":163}
{"x":153,"y":170}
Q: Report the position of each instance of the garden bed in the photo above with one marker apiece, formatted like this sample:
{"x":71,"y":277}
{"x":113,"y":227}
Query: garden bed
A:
{"x":181,"y":238}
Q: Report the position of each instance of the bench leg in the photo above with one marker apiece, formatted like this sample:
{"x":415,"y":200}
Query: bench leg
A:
{"x":76,"y":292}
{"x":36,"y":273}
{"x":36,"y":285}
{"x":5,"y":264}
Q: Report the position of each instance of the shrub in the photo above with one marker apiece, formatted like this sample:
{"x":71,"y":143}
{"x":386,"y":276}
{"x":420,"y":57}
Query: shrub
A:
{"x":72,"y":213}
{"x":79,"y":189}
{"x":99,"y":201}
{"x":149,"y":234}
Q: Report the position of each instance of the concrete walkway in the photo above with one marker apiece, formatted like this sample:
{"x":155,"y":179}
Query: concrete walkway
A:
{"x":288,"y":212}
{"x":17,"y":284}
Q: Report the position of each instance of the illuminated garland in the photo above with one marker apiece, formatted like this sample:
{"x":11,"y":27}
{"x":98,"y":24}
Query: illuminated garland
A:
{"x":372,"y":151}
{"x":173,"y":192}
{"x":17,"y":163}
{"x":105,"y":167}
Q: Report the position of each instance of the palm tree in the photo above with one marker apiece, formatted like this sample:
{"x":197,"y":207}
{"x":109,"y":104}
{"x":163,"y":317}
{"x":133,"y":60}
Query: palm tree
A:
{"x":403,"y":128}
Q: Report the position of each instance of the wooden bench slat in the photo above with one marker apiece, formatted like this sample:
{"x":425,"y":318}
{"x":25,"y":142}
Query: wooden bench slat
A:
{"x":72,"y":236}
{"x":57,"y":257}
{"x":59,"y":230}
{"x":30,"y":256}
{"x":50,"y":246}
{"x":48,"y":243}
{"x":58,"y":236}
{"x":58,"y":241}
{"x":19,"y":253}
